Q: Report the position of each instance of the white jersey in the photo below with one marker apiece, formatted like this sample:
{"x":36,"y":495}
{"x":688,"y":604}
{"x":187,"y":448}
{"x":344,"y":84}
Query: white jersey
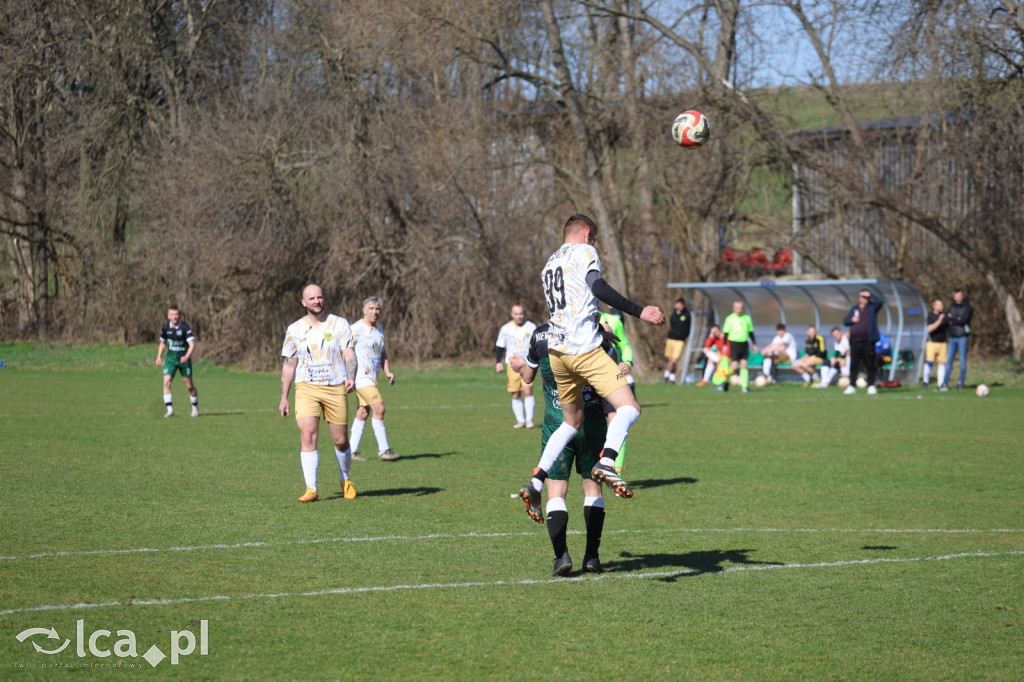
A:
{"x":573,"y":327}
{"x":318,"y":349}
{"x":515,"y":339}
{"x":786,"y":339}
{"x":369,"y":346}
{"x":842,"y":346}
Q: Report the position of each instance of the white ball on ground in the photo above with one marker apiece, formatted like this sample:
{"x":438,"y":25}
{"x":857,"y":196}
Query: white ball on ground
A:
{"x":981,"y":390}
{"x":735,"y":380}
{"x":862,"y":382}
{"x":844,"y":382}
{"x":761,"y":381}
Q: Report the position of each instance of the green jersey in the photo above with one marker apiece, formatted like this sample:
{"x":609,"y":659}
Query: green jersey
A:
{"x":623,"y":351}
{"x":738,"y":328}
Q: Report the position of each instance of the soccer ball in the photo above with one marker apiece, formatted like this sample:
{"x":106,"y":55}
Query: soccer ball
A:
{"x":862,"y":382}
{"x":691,"y":129}
{"x":735,"y":380}
{"x":760,"y":381}
{"x":981,"y":390}
{"x":844,"y":382}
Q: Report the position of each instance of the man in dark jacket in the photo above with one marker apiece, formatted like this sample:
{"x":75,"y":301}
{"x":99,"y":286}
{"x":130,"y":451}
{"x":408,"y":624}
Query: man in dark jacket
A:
{"x":959,"y":316}
{"x":863,"y":323}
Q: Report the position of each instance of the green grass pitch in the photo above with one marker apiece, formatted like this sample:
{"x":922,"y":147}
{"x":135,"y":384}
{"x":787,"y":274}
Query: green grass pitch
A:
{"x":784,"y":534}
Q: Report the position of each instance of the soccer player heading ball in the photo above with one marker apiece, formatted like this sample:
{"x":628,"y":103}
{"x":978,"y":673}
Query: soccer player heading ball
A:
{"x":573,"y":285}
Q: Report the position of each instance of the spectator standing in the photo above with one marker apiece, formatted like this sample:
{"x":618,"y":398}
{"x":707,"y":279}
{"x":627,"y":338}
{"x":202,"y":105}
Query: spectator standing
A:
{"x":959,"y":315}
{"x":863,"y":323}
{"x":935,"y":349}
{"x":678,"y":332}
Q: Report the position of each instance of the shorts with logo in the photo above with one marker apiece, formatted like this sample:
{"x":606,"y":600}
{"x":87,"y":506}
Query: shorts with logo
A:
{"x":573,"y":372}
{"x":172,"y":364}
{"x":935,"y":351}
{"x":368,"y":395}
{"x":674,"y":348}
{"x":321,"y":401}
{"x":584,"y":450}
{"x":514,"y":382}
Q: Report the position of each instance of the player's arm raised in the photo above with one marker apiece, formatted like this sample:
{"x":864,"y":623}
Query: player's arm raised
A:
{"x":606,"y":294}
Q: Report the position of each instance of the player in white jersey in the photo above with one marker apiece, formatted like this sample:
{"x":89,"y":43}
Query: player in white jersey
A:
{"x":371,"y":357}
{"x":573,"y":284}
{"x":514,"y":339}
{"x":318,"y":357}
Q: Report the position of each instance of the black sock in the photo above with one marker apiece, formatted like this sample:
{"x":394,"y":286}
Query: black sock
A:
{"x":593,"y":517}
{"x":558,"y":521}
{"x":540,"y":474}
{"x":610,"y":453}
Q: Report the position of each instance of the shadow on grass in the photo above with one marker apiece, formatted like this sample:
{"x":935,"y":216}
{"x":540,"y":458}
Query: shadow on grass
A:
{"x":659,"y":482}
{"x":879,"y":547}
{"x":390,"y":492}
{"x":427,"y":455}
{"x":710,"y":561}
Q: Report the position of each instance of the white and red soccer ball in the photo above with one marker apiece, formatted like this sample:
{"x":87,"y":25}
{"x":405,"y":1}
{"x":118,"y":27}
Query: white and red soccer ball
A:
{"x":691,"y":129}
{"x":981,"y":390}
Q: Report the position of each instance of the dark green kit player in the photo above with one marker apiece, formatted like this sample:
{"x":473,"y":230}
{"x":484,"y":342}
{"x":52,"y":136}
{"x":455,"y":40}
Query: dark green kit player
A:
{"x":581,"y":453}
{"x":176,"y":336}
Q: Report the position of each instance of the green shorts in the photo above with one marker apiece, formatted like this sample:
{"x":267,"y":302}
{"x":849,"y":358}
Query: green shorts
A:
{"x":172,"y":365}
{"x":584,"y":449}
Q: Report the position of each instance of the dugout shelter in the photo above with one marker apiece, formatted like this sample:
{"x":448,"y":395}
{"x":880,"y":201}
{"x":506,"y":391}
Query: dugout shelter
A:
{"x":798,"y":304}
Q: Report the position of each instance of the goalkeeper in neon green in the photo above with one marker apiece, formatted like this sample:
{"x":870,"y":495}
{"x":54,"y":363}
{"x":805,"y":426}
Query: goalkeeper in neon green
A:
{"x":622,"y":353}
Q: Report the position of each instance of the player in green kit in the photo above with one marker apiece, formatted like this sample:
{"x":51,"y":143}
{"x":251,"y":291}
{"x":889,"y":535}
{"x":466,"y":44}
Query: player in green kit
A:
{"x":176,"y":336}
{"x":738,"y":328}
{"x":582,"y":453}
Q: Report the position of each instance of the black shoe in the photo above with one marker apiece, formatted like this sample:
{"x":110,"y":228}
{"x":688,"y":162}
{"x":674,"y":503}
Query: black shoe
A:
{"x":529,"y":495}
{"x":563,"y":566}
{"x":591,"y":564}
{"x":609,"y":476}
{"x":960,"y":386}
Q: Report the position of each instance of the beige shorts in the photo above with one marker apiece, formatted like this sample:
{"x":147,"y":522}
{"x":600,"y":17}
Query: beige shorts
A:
{"x":514,"y":382}
{"x":573,"y":372}
{"x":368,"y":395}
{"x":935,"y":351}
{"x":674,"y":348}
{"x":321,"y":401}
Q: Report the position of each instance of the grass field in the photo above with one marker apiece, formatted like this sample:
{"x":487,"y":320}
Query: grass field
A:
{"x":785,"y":534}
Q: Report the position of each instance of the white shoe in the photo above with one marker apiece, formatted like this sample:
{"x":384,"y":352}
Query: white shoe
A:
{"x":195,"y":410}
{"x":850,"y":390}
{"x":519,"y":425}
{"x":170,"y":412}
{"x":529,"y":425}
{"x":872,"y":390}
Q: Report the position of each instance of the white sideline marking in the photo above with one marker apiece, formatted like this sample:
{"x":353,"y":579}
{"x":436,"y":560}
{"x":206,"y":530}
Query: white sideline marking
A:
{"x":498,"y":583}
{"x":451,"y":536}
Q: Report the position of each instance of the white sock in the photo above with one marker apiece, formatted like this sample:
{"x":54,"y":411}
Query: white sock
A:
{"x":529,"y":403}
{"x":666,"y":374}
{"x":344,"y":461}
{"x":766,"y":367}
{"x":517,"y":410}
{"x":927,"y":372}
{"x":618,"y":428}
{"x":194,"y":399}
{"x":942,"y":374}
{"x":167,"y":400}
{"x":556,"y":443}
{"x":357,"y":434}
{"x":827,"y":373}
{"x":555,"y":504}
{"x":805,"y":376}
{"x":709,"y":371}
{"x":672,"y":377}
{"x":593,"y":502}
{"x":381,"y":434}
{"x":309,"y":463}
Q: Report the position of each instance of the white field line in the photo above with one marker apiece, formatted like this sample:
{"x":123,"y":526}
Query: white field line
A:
{"x":450,"y":536}
{"x":497,"y":583}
